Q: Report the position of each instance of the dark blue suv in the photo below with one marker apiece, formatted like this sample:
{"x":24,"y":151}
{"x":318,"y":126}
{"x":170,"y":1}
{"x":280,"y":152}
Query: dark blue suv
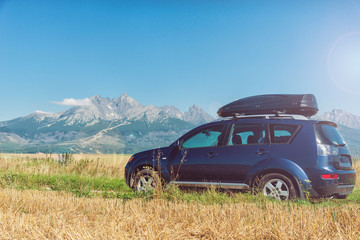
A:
{"x":283,"y":156}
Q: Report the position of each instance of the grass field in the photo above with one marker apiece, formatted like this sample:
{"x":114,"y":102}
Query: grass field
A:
{"x":86,"y":198}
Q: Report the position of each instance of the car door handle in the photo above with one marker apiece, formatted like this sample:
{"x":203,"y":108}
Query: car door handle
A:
{"x":211,"y":154}
{"x":261,"y":152}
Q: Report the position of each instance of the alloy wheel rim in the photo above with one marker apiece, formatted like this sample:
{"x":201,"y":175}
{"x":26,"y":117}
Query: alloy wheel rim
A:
{"x":276,"y":188}
{"x":145,"y":183}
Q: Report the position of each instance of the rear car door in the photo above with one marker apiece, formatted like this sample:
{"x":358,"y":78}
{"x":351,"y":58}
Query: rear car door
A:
{"x":246,"y":145}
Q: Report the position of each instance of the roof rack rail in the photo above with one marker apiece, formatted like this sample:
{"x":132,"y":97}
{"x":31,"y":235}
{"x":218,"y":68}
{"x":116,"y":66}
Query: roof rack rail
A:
{"x":270,"y":116}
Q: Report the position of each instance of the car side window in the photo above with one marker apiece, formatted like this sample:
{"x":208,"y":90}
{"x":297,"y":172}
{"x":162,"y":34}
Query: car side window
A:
{"x":282,"y":133}
{"x":243,"y":134}
{"x":208,"y":137}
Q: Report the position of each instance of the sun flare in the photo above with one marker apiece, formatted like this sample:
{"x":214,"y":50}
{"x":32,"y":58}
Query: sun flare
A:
{"x":344,"y":63}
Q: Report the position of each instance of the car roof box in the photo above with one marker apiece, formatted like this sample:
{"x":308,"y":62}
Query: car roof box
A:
{"x":299,"y":104}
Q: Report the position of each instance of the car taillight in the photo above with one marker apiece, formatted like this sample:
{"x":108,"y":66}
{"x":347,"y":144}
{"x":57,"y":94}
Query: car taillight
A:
{"x":132,"y":157}
{"x":330,"y":176}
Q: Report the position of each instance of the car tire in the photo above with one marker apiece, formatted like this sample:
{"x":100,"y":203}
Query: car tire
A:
{"x":146,"y":180}
{"x":277,"y":186}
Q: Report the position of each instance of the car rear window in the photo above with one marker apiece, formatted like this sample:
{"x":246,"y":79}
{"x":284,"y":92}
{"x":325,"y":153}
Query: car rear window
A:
{"x":328,"y":134}
{"x":282,"y":133}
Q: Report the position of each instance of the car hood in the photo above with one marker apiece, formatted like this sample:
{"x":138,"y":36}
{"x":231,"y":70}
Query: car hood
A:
{"x":156,"y":153}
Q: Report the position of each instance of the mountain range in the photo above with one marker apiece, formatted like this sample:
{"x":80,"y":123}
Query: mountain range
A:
{"x":123,"y":125}
{"x":100,"y":125}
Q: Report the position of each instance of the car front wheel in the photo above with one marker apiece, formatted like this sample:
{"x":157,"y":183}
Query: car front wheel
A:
{"x":146,"y":180}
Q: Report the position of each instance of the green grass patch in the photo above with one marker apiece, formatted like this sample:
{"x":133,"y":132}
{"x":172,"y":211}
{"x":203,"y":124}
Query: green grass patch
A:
{"x":77,"y":184}
{"x":87,"y":186}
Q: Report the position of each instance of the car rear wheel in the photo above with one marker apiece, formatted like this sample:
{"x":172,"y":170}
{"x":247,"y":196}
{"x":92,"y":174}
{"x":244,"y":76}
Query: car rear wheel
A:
{"x":277,"y":186}
{"x":146,"y":180}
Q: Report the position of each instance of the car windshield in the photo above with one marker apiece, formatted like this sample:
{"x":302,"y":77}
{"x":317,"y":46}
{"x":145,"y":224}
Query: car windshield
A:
{"x":328,"y":134}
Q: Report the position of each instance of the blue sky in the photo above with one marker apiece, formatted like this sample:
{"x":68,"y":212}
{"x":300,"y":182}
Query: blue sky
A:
{"x":177,"y":52}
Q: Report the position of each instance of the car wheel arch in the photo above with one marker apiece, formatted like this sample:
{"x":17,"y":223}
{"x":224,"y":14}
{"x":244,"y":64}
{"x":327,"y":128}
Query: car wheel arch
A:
{"x":283,"y":166}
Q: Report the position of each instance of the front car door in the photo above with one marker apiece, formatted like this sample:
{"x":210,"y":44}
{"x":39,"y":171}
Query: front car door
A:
{"x":198,"y":154}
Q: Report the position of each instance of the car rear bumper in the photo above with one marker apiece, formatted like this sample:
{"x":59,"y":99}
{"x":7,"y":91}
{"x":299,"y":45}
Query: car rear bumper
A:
{"x":342,"y":186}
{"x":344,"y":189}
{"x":334,"y":189}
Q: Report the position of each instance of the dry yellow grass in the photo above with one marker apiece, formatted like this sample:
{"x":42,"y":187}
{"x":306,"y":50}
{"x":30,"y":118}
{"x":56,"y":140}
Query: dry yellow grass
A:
{"x":58,"y":215}
{"x":110,"y":165}
{"x":54,"y":215}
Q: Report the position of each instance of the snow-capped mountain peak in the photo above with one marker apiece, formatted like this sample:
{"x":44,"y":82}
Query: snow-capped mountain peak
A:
{"x":197,"y":115}
{"x":125,"y":102}
{"x":340,"y":117}
{"x":40,"y":116}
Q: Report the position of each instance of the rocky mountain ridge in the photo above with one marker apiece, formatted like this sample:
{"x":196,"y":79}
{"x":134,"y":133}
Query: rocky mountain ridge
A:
{"x":100,"y":125}
{"x":98,"y":108}
{"x":340,"y":117}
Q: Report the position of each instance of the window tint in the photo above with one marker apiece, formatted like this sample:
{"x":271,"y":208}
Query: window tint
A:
{"x":282,"y":133}
{"x":327,"y":134}
{"x":205,"y":138}
{"x":247,"y":134}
